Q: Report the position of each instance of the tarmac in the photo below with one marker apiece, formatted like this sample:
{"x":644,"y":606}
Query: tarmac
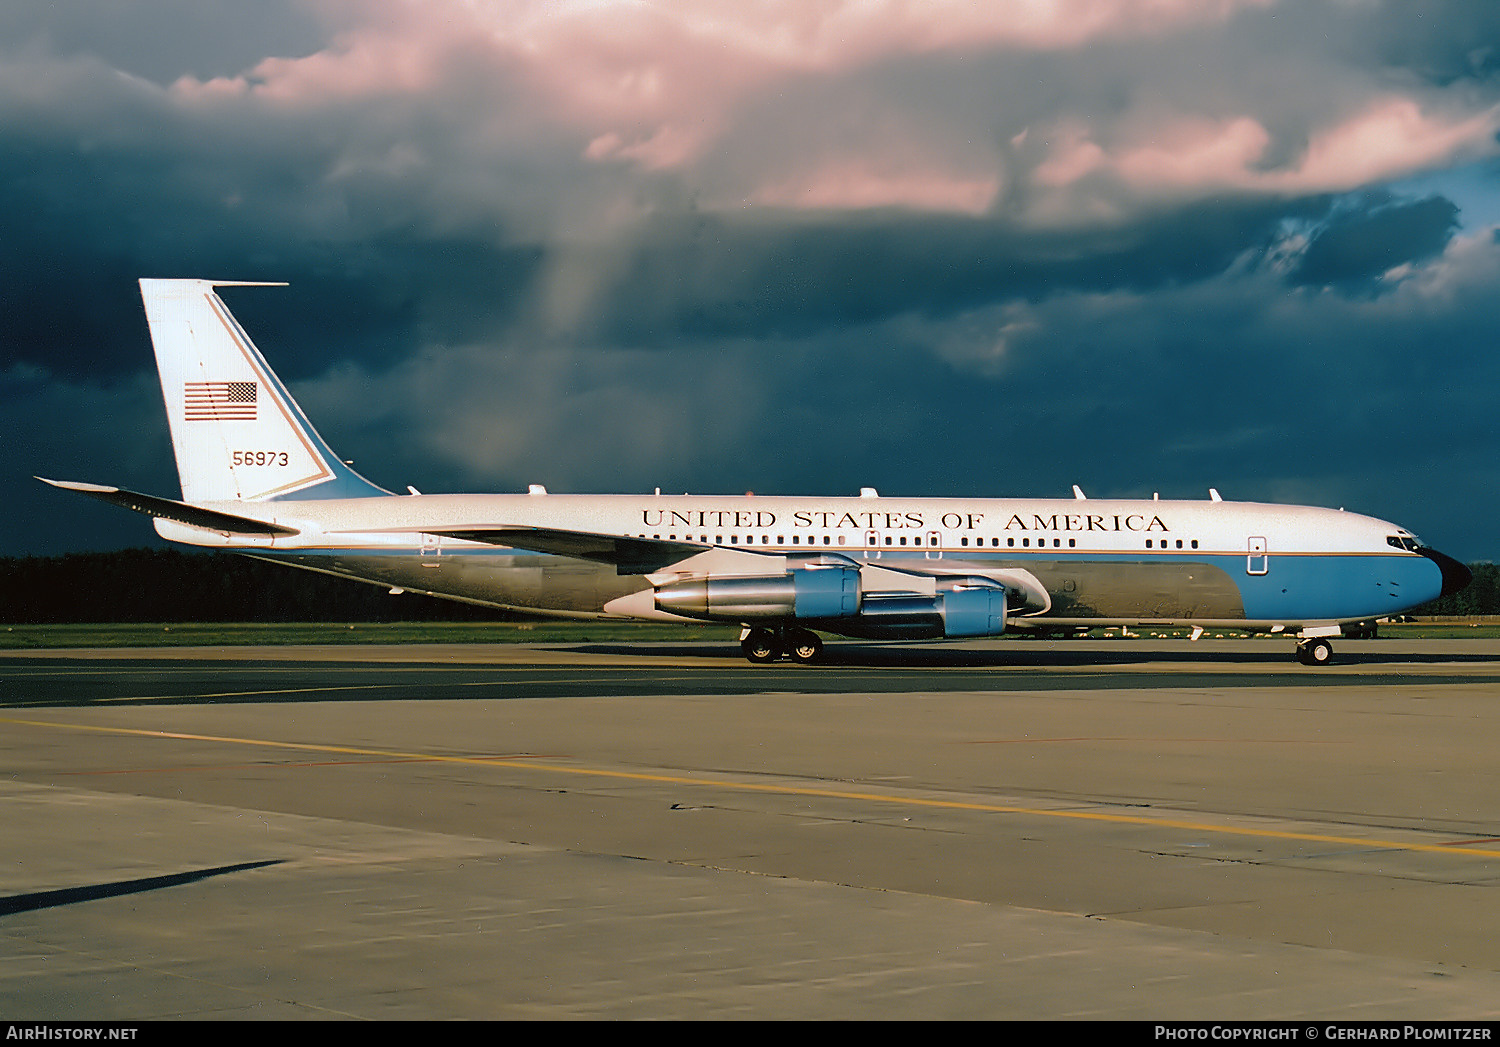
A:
{"x":1149,"y":830}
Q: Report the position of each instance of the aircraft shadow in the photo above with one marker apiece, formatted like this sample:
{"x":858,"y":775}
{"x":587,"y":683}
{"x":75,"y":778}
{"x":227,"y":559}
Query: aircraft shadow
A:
{"x":34,"y":900}
{"x":896,"y":656}
{"x":626,"y":669}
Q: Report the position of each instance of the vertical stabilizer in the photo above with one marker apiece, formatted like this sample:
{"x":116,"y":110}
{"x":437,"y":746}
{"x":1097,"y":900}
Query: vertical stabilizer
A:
{"x":236,"y":431}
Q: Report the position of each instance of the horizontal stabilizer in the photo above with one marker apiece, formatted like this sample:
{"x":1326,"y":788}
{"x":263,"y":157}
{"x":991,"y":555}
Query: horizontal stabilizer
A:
{"x":167,"y":509}
{"x":629,"y":555}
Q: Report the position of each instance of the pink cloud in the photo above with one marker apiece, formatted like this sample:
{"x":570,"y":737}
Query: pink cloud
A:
{"x":1390,"y":138}
{"x":833,"y":34}
{"x":1198,"y":153}
{"x":1074,"y":157}
{"x":675,"y":70}
{"x":692,"y":88}
{"x":853,"y":185}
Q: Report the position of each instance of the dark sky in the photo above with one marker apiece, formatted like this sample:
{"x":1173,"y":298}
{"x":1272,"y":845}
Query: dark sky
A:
{"x":938,"y":248}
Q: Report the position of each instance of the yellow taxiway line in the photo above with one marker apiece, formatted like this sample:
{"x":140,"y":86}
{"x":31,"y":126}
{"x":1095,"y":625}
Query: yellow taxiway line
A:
{"x":1459,"y":846}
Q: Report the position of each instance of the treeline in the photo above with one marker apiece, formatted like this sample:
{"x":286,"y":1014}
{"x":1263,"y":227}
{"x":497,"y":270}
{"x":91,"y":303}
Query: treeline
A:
{"x":167,"y":585}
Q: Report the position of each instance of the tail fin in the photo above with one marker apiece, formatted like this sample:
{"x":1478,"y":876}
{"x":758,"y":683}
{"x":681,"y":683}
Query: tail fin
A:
{"x":237,"y":433}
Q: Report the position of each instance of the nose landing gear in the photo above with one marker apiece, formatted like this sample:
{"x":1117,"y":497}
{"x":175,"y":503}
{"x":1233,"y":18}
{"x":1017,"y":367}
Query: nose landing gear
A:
{"x":768,"y":645}
{"x":1317,"y":651}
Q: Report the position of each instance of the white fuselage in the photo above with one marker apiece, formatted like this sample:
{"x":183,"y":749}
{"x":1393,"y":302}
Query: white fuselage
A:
{"x":1099,"y":560}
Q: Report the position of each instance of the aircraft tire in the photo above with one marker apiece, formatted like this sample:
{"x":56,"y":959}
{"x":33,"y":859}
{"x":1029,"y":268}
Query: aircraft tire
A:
{"x":805,"y":646}
{"x":760,"y":646}
{"x":1315,"y":652}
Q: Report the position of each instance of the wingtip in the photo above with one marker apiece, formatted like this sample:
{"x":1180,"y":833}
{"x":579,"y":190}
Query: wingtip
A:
{"x":75,"y":485}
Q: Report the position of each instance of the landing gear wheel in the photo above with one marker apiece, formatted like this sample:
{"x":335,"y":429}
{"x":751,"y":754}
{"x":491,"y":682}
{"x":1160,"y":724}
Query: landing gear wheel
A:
{"x":760,"y":646}
{"x":804,"y":646}
{"x":1315,"y":652}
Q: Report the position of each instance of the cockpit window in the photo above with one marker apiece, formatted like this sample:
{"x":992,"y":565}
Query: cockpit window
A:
{"x":1401,"y":541}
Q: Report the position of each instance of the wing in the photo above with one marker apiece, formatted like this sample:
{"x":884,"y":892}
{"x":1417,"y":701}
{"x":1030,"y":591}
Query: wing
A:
{"x":628,"y":555}
{"x":649,"y":555}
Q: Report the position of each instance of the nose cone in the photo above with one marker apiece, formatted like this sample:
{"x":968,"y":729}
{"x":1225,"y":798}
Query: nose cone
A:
{"x":1455,"y":575}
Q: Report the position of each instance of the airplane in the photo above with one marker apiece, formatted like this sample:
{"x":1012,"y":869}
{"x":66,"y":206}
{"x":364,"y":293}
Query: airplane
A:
{"x":257,"y":479}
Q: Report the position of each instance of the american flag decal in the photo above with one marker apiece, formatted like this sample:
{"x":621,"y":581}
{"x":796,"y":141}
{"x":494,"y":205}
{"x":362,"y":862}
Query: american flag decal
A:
{"x":219,"y":401}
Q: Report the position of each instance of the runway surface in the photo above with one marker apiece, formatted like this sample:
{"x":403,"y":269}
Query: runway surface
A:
{"x":1013,"y":829}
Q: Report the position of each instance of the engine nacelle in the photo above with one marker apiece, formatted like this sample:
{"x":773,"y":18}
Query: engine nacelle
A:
{"x":807,"y":592}
{"x":962,"y":612}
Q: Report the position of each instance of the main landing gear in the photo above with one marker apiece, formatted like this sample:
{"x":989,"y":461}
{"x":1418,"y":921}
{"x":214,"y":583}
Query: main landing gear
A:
{"x":768,"y":645}
{"x":1316,"y":651}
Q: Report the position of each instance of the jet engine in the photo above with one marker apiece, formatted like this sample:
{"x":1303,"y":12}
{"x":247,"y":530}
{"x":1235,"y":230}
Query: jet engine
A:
{"x":963,"y":608}
{"x":807,"y":592}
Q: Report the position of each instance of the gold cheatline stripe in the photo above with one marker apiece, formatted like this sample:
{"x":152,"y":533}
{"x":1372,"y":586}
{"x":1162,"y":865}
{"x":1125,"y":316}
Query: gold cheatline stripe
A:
{"x":1452,"y":847}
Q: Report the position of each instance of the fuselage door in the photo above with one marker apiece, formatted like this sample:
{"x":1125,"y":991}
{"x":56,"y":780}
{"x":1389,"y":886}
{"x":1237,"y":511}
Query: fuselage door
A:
{"x":430,"y":549}
{"x":1257,"y":560}
{"x":872,"y":545}
{"x":934,"y":545}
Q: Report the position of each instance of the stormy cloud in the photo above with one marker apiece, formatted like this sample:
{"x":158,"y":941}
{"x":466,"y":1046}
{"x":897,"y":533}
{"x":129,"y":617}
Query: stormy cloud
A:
{"x":793,"y":248}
